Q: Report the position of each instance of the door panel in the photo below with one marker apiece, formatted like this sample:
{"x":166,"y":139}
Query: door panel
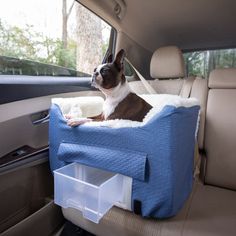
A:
{"x":16,"y":127}
{"x":24,"y":190}
{"x":26,"y":186}
{"x":28,"y":82}
{"x":19,"y":132}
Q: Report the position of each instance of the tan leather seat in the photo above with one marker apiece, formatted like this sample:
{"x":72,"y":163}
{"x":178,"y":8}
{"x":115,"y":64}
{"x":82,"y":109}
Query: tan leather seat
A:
{"x":168,"y":70}
{"x":199,"y":90}
{"x":220,"y":137}
{"x":209,"y":210}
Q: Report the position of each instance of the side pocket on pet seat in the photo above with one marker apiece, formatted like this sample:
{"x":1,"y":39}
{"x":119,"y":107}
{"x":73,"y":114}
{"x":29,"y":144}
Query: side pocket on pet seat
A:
{"x":124,"y":161}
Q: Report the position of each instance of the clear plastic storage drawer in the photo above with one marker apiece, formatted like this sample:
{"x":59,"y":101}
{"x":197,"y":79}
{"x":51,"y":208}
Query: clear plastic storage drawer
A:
{"x":90,"y":190}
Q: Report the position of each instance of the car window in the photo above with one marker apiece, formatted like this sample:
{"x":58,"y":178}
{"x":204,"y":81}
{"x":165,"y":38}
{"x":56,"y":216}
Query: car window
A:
{"x":128,"y":70}
{"x":56,"y":37}
{"x":201,"y":63}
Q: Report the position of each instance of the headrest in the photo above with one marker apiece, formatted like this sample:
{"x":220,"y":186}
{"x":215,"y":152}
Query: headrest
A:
{"x":167,"y":62}
{"x":223,"y":78}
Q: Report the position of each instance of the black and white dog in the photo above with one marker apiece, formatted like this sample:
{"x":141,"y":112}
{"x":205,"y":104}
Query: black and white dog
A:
{"x":120,"y":102}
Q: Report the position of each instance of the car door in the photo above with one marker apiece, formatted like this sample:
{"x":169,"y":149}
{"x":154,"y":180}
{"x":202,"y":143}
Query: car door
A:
{"x":26,"y":182}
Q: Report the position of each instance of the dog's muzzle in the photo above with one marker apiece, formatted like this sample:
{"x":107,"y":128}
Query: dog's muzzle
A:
{"x":94,"y":83}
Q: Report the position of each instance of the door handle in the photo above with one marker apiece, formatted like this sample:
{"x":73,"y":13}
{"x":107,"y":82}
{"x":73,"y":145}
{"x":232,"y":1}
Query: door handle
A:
{"x":40,"y":118}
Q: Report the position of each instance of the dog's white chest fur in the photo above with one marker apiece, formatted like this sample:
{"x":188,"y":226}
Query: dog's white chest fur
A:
{"x":114,"y":97}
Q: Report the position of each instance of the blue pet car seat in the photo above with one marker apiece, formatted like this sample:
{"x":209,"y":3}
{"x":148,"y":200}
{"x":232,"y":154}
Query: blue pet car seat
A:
{"x":157,"y":155}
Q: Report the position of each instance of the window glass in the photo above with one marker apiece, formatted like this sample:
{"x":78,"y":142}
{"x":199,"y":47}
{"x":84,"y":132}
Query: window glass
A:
{"x":201,"y":63}
{"x":56,"y":37}
{"x":129,"y":71}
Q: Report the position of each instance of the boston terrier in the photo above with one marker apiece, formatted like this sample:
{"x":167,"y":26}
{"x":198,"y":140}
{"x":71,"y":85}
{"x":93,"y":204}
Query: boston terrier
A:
{"x":120,"y":102}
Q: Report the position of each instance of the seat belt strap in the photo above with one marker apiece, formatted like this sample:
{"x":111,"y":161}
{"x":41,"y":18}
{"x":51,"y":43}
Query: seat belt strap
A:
{"x":148,"y":87}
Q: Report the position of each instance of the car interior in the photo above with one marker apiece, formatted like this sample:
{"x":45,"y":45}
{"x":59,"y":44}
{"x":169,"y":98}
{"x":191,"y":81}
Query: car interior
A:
{"x":156,"y":36}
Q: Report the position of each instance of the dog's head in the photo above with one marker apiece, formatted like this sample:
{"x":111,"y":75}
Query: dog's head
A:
{"x":109,"y":75}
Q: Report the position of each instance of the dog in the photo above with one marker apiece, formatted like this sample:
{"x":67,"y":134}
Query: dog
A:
{"x":120,"y":102}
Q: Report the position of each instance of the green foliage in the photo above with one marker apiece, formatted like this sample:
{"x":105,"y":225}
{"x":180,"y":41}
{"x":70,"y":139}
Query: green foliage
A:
{"x":66,"y":57}
{"x":104,"y":48}
{"x":26,"y":43}
{"x":225,"y":58}
{"x":201,"y":63}
{"x":194,"y":63}
{"x":15,"y":42}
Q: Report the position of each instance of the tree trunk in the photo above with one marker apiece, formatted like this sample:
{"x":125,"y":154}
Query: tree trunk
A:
{"x":89,"y":40}
{"x":211,"y":65}
{"x":187,"y":67}
{"x":64,"y":24}
{"x":205,"y":65}
{"x":233,"y":57}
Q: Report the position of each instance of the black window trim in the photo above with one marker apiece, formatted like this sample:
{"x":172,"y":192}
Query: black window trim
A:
{"x":44,"y":80}
{"x":19,"y":87}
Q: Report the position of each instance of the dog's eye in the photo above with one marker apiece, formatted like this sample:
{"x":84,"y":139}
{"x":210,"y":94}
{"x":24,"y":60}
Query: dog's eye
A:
{"x":104,"y":70}
{"x":95,"y":70}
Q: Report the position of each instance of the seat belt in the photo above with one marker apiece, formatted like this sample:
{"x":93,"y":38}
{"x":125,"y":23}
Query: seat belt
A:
{"x":148,"y":87}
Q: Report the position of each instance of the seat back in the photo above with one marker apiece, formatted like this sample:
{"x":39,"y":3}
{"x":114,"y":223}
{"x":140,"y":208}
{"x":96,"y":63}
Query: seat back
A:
{"x":167,"y":62}
{"x":166,"y":67}
{"x":168,"y":70}
{"x":220,"y":135}
{"x":200,"y":91}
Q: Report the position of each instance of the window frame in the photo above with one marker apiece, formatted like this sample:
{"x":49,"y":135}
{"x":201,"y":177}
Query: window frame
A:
{"x":18,"y":87}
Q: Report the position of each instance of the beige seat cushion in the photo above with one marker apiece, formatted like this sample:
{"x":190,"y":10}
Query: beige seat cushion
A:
{"x":166,"y":67}
{"x":174,"y":86}
{"x":220,"y":138}
{"x":138,"y":87}
{"x":170,"y":86}
{"x":223,"y":78}
{"x":209,"y":211}
{"x":220,"y":135}
{"x":161,"y":86}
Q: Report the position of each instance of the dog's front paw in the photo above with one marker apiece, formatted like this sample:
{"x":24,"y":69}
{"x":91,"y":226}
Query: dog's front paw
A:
{"x":77,"y":121}
{"x":68,"y":117}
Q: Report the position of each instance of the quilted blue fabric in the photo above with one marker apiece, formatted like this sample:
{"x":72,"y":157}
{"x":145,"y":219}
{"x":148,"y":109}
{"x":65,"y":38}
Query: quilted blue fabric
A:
{"x":126,"y":162}
{"x":158,"y":156}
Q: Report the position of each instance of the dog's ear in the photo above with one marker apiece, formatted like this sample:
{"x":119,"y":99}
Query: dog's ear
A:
{"x":109,"y":58}
{"x":119,"y":60}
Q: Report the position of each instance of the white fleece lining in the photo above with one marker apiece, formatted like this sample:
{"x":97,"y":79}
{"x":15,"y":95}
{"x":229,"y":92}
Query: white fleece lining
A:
{"x":78,"y":107}
{"x":82,"y":107}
